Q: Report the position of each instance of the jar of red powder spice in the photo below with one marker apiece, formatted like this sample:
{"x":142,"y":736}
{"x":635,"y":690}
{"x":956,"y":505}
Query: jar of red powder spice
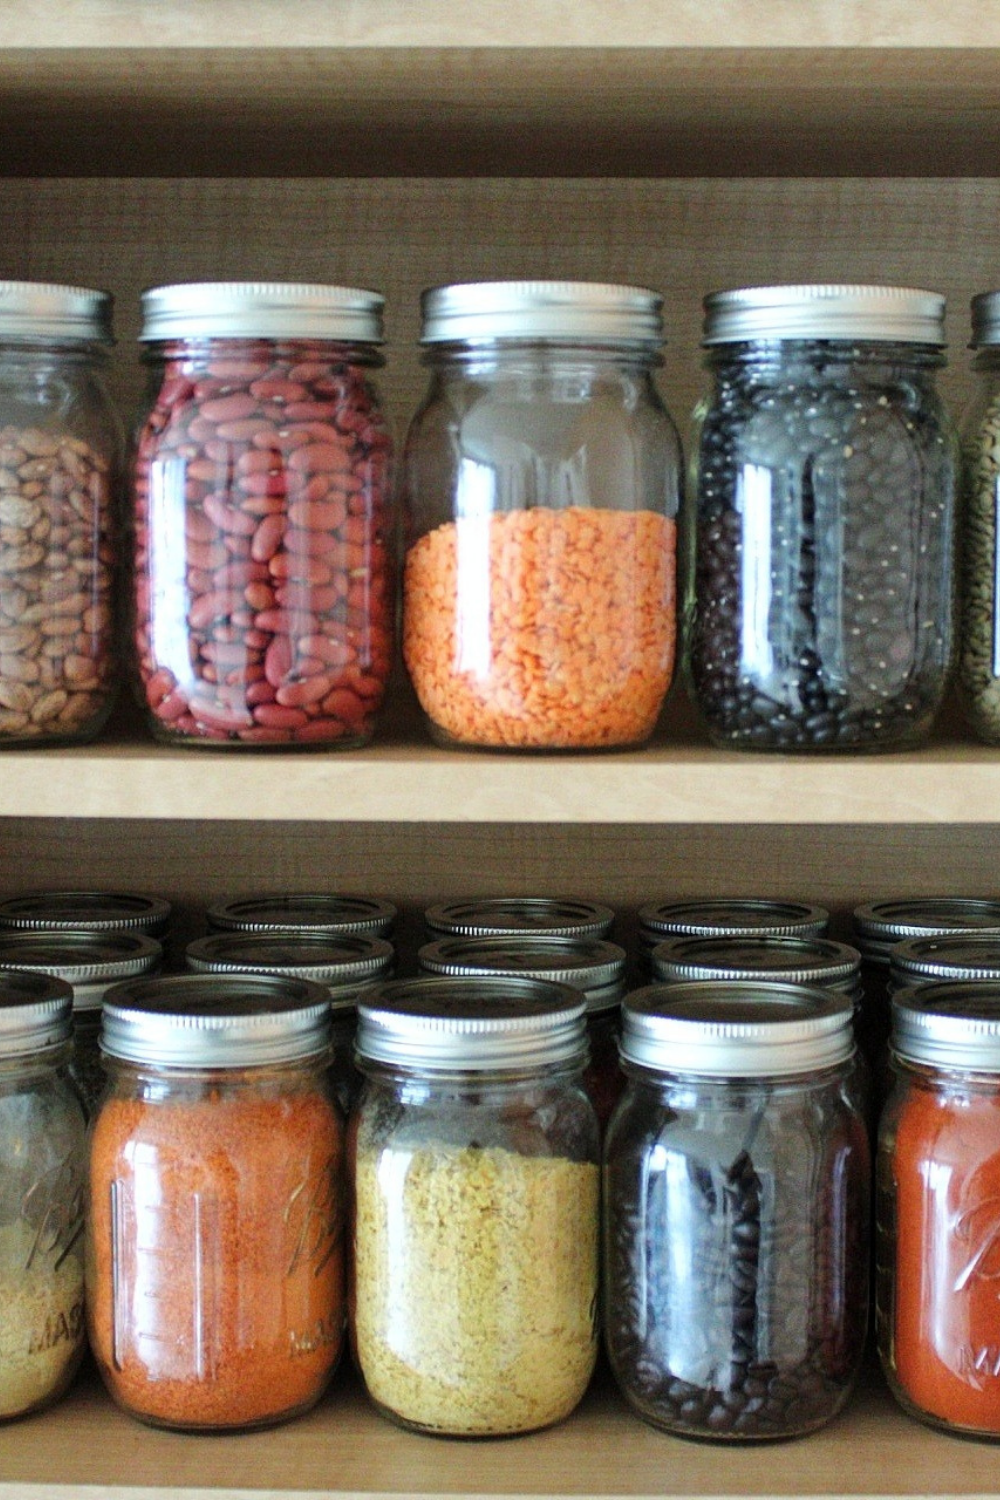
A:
{"x":541,"y":485}
{"x":215,"y":1292}
{"x":262,"y":595}
{"x":938,"y":1179}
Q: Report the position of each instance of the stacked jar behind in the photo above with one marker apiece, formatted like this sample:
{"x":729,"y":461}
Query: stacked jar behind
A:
{"x":60,"y":462}
{"x":262,"y":591}
{"x":541,"y":482}
{"x":819,"y":583}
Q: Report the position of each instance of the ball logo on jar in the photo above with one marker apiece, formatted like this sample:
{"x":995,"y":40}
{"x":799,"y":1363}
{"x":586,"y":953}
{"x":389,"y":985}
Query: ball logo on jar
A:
{"x":318,"y":1204}
{"x":53,"y":1208}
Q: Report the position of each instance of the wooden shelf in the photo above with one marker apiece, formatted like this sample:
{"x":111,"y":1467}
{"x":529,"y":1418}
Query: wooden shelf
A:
{"x":344,"y":1448}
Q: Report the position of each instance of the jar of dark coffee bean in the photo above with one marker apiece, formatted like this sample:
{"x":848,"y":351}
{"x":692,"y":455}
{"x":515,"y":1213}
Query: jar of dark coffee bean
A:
{"x":727,"y":917}
{"x":819,"y":597}
{"x":979,"y":632}
{"x":736,"y":1194}
{"x":879,"y":926}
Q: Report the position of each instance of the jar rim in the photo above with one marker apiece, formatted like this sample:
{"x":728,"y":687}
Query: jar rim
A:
{"x":263,"y":309}
{"x":33,"y":310}
{"x":824,"y":310}
{"x":538,"y":309}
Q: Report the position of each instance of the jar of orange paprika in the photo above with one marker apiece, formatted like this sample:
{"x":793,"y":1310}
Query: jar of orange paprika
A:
{"x":938,"y":1180}
{"x":215,"y":1294}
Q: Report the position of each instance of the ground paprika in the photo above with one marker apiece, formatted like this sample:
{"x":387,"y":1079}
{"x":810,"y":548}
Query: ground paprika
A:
{"x":938,"y":1313}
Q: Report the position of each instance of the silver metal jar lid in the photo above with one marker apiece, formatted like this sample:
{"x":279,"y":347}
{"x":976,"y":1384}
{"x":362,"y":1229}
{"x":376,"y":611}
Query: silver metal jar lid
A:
{"x":303,"y":911}
{"x":261,"y":309}
{"x":584,"y":310}
{"x":948,"y":1025}
{"x":958,"y":956}
{"x":985,"y":319}
{"x":879,"y":925}
{"x":447,"y":1023}
{"x":591,"y":965}
{"x":732,"y":917}
{"x":92,"y":911}
{"x":344,"y":963}
{"x":736,"y":1028}
{"x":519,"y":916}
{"x":49,"y":311}
{"x":794,"y":960}
{"x":88,"y":961}
{"x":895,"y":314}
{"x":36,"y":1012}
{"x":215,"y":1020}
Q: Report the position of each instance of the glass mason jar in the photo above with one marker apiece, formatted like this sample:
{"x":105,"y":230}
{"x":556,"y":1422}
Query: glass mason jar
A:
{"x":932,"y":960}
{"x":473,"y":1152}
{"x":736,"y":1202}
{"x":60,"y":469}
{"x":262,"y":596}
{"x":215,"y":1278}
{"x":938,"y":1185}
{"x":90,"y":963}
{"x":346,"y":964}
{"x":590,"y":965}
{"x":304,"y":912}
{"x":819,"y":590}
{"x":519,"y":917}
{"x":727,"y":917}
{"x":42,"y":1176}
{"x":541,"y":486}
{"x":979,"y":559}
{"x":878,"y":927}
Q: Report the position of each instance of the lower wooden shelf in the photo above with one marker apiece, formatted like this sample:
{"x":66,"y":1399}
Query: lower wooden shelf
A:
{"x":85,"y":1447}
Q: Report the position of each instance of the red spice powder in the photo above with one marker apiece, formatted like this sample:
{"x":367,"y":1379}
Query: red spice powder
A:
{"x":946,"y":1305}
{"x":215,"y":1278}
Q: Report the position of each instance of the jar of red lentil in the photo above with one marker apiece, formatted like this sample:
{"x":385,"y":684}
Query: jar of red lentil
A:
{"x":215,"y":1290}
{"x":594,"y":967}
{"x":541,"y":484}
{"x":938,"y":1187}
{"x":262,"y":595}
{"x":473,"y":1152}
{"x":61,"y":446}
{"x":347,"y":963}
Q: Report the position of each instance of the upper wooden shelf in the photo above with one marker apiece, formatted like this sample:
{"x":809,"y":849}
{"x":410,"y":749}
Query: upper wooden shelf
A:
{"x":578,"y":88}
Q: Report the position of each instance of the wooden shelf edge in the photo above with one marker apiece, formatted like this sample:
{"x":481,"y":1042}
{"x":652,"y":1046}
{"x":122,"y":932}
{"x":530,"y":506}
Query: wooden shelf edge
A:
{"x":413,"y":783}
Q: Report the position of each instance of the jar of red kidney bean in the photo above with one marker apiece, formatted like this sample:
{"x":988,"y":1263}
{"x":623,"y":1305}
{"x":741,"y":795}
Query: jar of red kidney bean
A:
{"x":262,"y":590}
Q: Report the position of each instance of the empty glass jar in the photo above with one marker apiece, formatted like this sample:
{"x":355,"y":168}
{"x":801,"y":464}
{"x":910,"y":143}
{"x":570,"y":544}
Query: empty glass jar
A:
{"x":818,"y":606}
{"x":541,"y":486}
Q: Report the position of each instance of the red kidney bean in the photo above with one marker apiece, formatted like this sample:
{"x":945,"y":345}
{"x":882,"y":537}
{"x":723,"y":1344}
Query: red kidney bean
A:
{"x":283,"y":609}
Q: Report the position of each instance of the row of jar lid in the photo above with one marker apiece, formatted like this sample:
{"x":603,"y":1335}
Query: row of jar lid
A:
{"x":474,"y":311}
{"x":344,"y":941}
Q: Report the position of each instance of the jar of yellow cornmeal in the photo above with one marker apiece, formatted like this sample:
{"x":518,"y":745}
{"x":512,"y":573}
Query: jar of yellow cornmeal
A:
{"x":474,"y":1157}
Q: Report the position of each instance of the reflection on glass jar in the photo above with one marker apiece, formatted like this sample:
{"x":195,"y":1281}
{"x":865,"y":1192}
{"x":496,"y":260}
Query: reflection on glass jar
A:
{"x":42,"y":1179}
{"x":819,"y":587}
{"x":541,"y":486}
{"x":736,"y":1188}
{"x":262,"y":592}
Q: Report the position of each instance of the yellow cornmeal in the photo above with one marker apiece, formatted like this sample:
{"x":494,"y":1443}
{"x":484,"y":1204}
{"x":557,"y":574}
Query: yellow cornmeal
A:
{"x":41,"y":1319}
{"x":476,"y":1283}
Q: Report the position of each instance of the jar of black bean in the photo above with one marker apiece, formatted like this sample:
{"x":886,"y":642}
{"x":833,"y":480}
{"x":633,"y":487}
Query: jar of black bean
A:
{"x":736,"y":1195}
{"x":819,"y":573}
{"x":979,"y":634}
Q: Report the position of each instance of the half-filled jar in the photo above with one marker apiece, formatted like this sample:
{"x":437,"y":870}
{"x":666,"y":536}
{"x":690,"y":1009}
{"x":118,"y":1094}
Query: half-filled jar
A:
{"x":262,"y":593}
{"x":473,"y":1152}
{"x":819,"y":592}
{"x":541,"y":485}
{"x":61,"y":447}
{"x":736,"y":1205}
{"x":215,"y":1276}
{"x":42,"y":1188}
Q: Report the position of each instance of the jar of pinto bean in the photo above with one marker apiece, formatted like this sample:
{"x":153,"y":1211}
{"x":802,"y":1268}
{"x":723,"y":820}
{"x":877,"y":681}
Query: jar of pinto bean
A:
{"x":262,"y":580}
{"x":60,"y":464}
{"x":541,"y":485}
